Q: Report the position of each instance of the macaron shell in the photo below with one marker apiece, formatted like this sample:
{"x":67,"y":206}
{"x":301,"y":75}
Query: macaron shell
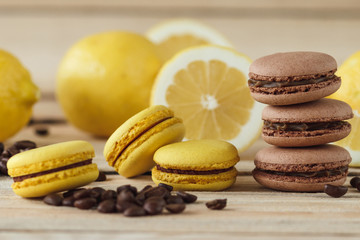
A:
{"x":205,"y":154}
{"x":323,"y":110}
{"x":322,"y":137}
{"x":56,"y":182}
{"x":293,"y":64}
{"x":137,"y":158}
{"x":49,"y":157}
{"x":294,"y":186}
{"x":315,"y":92}
{"x":327,"y":153}
{"x":132,"y":129}
{"x":212,"y":182}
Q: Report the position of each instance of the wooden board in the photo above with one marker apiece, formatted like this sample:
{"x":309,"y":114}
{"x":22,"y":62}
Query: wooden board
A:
{"x":252,"y":212}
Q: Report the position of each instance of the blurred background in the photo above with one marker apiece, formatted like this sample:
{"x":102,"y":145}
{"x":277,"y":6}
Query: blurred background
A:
{"x":39,"y":32}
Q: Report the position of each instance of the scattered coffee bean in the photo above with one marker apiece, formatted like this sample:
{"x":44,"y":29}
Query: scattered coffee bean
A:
{"x":85,"y":203}
{"x":24,"y":145}
{"x":187,"y":197}
{"x":160,"y":200}
{"x":335,"y":191}
{"x":126,"y":195}
{"x":98,"y":189}
{"x":3,"y":166}
{"x":84,"y":193}
{"x":107,"y":206}
{"x":168,"y":187}
{"x":216,"y":204}
{"x":68,"y":201}
{"x":101,"y":177}
{"x":174,"y":199}
{"x":121,"y":205}
{"x":134,"y":211}
{"x":96,"y":195}
{"x":355,"y":181}
{"x":53,"y":199}
{"x":108,"y":194}
{"x":1,"y":147}
{"x":157,"y":191}
{"x":13,"y":150}
{"x":153,"y":207}
{"x":127,"y":187}
{"x":41,"y":131}
{"x":71,"y":192}
{"x":175,"y":207}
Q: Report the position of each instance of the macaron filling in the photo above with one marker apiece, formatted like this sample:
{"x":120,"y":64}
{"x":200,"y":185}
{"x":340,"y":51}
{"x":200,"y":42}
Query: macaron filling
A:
{"x":271,"y":84}
{"x":66,"y":167}
{"x":323,"y":173}
{"x":305,"y":126}
{"x":192,"y":172}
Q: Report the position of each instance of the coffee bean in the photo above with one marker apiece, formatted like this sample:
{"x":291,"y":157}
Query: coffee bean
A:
{"x":108,"y":194}
{"x":174,"y":199}
{"x":24,"y":145}
{"x":3,"y":166}
{"x":121,"y":205}
{"x":126,"y":195}
{"x":153,"y":207}
{"x":160,"y":200}
{"x":157,"y":191}
{"x":98,"y":189}
{"x":168,"y":187}
{"x":53,"y":199}
{"x":95,"y":194}
{"x":84,"y":193}
{"x":1,"y":148}
{"x":41,"y":131}
{"x":355,"y":181}
{"x":85,"y":203}
{"x":187,"y":197}
{"x":68,"y":201}
{"x":71,"y":192}
{"x":101,"y":177}
{"x":127,"y":187}
{"x":335,"y":191}
{"x":107,"y":206}
{"x":13,"y":150}
{"x":216,"y":204}
{"x":145,"y":189}
{"x":134,"y":211}
{"x":175,"y":208}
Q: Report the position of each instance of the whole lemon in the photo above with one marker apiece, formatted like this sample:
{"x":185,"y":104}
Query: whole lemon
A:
{"x":17,"y":95}
{"x":106,"y":78}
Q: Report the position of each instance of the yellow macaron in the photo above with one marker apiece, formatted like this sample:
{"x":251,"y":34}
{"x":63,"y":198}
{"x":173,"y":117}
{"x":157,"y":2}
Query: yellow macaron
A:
{"x":205,"y":165}
{"x":52,"y":168}
{"x":131,"y":147}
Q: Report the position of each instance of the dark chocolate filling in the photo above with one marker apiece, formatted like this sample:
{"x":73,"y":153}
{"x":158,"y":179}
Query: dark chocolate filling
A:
{"x":271,"y":84}
{"x":303,"y":126}
{"x":32,"y":175}
{"x":323,"y":173}
{"x":192,"y":172}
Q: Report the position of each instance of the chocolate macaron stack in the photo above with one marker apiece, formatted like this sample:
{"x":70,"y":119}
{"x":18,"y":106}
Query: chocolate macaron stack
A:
{"x":300,"y":122}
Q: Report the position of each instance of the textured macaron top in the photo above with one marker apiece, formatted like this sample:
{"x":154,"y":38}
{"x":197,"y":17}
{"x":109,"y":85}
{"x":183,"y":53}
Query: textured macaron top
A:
{"x":49,"y":157}
{"x":320,"y":154}
{"x":323,"y":110}
{"x":133,"y":128}
{"x":197,"y":155}
{"x":284,"y":66}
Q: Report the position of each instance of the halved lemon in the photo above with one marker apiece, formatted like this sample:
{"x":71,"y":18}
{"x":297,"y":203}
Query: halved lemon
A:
{"x":206,"y":86}
{"x":174,"y":35}
{"x":349,"y":92}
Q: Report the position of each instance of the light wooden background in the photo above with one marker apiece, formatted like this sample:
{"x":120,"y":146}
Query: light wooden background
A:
{"x":39,"y":32}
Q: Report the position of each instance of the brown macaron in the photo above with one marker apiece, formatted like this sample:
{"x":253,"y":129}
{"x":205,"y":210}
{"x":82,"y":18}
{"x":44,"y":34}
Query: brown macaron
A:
{"x":306,"y":124}
{"x":293,"y":77}
{"x":301,"y":169}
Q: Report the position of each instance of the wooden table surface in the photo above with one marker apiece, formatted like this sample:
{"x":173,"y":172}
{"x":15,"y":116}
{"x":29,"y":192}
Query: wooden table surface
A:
{"x":39,"y":32}
{"x":253,"y":212}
